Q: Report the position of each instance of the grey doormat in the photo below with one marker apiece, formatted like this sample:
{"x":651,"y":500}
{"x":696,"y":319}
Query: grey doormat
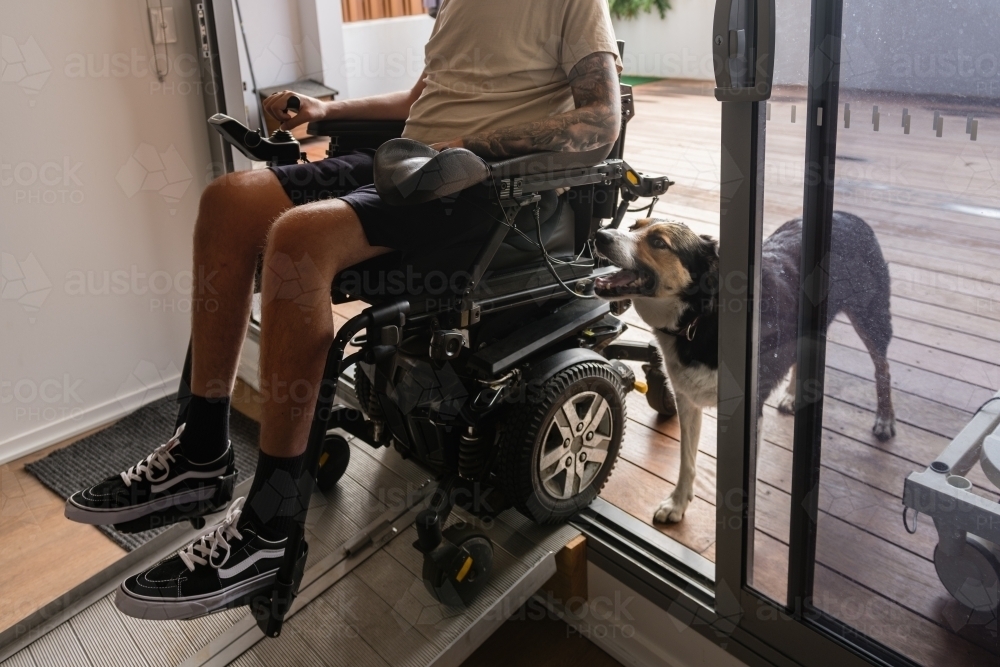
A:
{"x":124,"y":444}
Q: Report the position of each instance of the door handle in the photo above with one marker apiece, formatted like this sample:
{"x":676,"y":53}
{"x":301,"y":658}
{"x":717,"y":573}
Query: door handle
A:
{"x":743,"y":50}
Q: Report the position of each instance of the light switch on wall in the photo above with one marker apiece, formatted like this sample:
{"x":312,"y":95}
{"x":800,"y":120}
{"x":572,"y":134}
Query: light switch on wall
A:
{"x":163,"y":26}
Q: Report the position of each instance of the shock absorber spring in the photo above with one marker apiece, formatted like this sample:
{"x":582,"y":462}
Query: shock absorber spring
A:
{"x":375,"y":413}
{"x":367,"y":398}
{"x":471,"y":454}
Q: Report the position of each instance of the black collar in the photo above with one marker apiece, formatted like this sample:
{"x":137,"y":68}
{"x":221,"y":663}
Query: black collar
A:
{"x":687,"y":332}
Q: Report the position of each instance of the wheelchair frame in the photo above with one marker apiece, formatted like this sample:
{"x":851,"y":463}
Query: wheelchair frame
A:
{"x":568,"y":331}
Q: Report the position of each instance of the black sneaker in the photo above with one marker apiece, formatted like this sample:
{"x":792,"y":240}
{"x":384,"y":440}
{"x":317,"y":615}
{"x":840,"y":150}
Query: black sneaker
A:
{"x":224,"y":568}
{"x":163,"y":488}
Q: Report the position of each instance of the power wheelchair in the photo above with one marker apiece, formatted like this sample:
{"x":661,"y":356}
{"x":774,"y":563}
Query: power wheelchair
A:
{"x":509,"y":385}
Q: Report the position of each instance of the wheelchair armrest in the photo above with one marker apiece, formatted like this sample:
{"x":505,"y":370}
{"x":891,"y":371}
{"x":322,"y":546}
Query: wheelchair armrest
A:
{"x":549,"y":162}
{"x":409,"y":172}
{"x":349,"y":135}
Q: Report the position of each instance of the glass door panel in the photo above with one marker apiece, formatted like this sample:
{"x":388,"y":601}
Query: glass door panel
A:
{"x":784,"y":170}
{"x":913,"y":348}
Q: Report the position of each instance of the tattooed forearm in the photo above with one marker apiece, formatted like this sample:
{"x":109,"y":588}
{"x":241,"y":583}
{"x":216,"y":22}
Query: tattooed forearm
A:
{"x":595,"y":121}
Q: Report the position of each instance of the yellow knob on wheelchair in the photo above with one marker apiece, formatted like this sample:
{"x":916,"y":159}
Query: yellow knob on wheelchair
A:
{"x":641,"y":386}
{"x":465,"y":569}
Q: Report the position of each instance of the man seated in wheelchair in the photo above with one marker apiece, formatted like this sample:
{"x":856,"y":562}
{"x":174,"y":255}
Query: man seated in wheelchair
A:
{"x":501,"y":79}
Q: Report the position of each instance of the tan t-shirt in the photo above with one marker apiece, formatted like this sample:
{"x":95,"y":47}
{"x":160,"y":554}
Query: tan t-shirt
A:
{"x":496,"y":63}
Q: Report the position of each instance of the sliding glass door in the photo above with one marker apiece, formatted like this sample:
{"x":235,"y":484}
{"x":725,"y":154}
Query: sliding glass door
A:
{"x":865,"y":214}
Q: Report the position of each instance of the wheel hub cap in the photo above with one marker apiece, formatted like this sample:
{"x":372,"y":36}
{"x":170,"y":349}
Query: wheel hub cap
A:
{"x":575,"y":444}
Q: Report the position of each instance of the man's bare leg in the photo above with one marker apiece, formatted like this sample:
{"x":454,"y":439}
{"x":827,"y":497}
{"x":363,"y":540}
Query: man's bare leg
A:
{"x":307,"y":247}
{"x":234,"y":217}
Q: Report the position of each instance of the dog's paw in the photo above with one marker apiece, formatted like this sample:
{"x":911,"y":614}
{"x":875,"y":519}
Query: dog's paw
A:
{"x":671,"y":510}
{"x":884,"y":428}
{"x":786,"y":405}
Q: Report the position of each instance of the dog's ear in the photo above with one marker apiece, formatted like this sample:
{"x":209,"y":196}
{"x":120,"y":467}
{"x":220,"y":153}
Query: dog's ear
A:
{"x":711,"y":244}
{"x":710,"y":279}
{"x":640,"y":224}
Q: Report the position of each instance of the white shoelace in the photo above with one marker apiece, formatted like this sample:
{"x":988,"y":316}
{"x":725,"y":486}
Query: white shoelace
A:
{"x":159,"y":459}
{"x":204,"y":550}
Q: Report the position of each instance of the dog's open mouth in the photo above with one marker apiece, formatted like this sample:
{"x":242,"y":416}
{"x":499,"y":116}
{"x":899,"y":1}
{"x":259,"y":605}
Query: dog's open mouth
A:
{"x":624,"y":283}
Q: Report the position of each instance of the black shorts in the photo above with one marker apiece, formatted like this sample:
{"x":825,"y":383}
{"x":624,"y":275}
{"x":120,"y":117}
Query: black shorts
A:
{"x":444,"y":234}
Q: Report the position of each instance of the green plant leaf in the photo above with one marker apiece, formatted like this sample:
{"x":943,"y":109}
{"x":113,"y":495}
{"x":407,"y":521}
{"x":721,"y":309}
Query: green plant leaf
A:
{"x":630,"y":9}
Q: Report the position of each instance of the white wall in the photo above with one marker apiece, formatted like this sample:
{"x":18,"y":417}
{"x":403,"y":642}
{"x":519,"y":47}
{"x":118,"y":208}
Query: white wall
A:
{"x":277,"y":46}
{"x":678,"y":46}
{"x":385,"y":55}
{"x":101,"y":168}
{"x":294,"y":39}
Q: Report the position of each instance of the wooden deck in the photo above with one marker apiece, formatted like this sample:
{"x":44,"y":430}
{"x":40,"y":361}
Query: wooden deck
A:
{"x":933,"y":204}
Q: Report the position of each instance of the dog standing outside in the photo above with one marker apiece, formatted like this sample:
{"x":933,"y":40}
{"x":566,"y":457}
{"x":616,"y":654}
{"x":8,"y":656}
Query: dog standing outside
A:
{"x":671,"y":275}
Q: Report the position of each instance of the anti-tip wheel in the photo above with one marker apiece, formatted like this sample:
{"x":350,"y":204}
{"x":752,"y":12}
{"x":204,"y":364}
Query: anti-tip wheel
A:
{"x":460,"y":569}
{"x":333,"y":460}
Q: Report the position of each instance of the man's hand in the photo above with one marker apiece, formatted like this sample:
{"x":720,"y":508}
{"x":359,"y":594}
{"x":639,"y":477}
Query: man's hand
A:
{"x":310,"y":109}
{"x":595,"y":122}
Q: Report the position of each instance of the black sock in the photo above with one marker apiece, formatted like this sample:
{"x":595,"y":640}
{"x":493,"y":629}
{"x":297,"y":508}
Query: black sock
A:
{"x":279,"y":496}
{"x":206,"y":435}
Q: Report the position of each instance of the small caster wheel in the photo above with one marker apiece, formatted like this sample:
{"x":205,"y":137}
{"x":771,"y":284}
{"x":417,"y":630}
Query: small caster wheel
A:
{"x":458,"y":570}
{"x":972,"y":576}
{"x":659,"y":395}
{"x":333,"y":460}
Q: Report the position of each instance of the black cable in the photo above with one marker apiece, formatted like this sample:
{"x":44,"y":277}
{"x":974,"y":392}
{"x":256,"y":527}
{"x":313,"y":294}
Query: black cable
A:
{"x":253,"y":79}
{"x":548,"y":260}
{"x":906,"y":525}
{"x":507,"y":223}
{"x":647,"y":209}
{"x":988,"y":401}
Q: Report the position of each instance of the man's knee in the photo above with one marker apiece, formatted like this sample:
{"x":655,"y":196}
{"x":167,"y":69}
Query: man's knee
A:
{"x":226,"y":190}
{"x":310,"y":230}
{"x":239,"y":205}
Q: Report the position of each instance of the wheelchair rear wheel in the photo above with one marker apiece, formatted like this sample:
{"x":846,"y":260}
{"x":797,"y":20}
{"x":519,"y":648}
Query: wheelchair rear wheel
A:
{"x":556,"y":453}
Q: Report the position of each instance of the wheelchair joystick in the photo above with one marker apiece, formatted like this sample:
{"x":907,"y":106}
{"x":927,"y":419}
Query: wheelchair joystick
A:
{"x":280,"y":149}
{"x":281,"y":136}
